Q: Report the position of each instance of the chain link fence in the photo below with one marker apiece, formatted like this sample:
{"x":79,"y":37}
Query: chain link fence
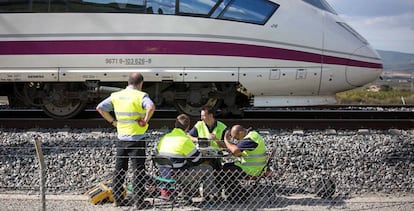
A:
{"x":310,"y":171}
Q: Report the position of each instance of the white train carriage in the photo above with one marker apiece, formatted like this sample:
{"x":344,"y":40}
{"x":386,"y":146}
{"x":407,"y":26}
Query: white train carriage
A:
{"x":63,"y":54}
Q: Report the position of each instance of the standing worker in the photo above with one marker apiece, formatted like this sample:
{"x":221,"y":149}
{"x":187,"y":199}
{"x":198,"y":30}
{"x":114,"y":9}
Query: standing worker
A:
{"x":133,"y":110}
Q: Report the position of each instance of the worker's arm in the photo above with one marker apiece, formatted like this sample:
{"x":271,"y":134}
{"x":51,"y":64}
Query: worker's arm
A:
{"x":149,"y":113}
{"x":193,"y":134}
{"x":149,"y":106}
{"x":103,"y":109}
{"x":234,"y":149}
{"x":221,"y":143}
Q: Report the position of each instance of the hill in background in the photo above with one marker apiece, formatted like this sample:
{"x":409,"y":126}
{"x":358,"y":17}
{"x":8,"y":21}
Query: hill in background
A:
{"x":397,"y":64}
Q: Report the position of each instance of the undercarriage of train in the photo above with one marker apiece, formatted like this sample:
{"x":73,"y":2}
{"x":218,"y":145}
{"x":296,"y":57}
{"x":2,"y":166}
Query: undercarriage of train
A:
{"x":66,"y":100}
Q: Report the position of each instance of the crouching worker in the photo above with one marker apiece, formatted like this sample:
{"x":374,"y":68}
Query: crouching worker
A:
{"x":249,"y":146}
{"x":185,"y":157}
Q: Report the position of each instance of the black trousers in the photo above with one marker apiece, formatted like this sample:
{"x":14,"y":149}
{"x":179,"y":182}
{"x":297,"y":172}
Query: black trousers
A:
{"x":134,"y":150}
{"x":230,"y":179}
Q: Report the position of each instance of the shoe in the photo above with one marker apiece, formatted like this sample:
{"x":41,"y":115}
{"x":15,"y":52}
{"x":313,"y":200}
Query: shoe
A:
{"x":143,"y":205}
{"x":187,"y":200}
{"x":120,"y":203}
{"x":165,"y":194}
{"x":212,"y":199}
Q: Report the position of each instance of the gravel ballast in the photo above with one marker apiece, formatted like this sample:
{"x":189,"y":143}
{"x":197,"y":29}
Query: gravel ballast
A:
{"x":359,"y":162}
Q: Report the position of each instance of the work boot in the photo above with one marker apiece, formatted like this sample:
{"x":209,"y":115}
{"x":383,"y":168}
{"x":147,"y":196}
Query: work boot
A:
{"x":142,"y":205}
{"x":120,"y":203}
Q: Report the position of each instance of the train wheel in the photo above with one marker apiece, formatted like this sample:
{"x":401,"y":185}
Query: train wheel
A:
{"x":194,"y":110}
{"x":64,"y":109}
{"x":62,"y":101}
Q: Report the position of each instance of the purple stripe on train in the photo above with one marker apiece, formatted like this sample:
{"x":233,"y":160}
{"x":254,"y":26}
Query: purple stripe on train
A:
{"x":173,"y":47}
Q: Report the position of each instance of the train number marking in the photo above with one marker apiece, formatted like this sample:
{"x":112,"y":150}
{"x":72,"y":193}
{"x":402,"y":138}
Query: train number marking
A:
{"x":128,"y":61}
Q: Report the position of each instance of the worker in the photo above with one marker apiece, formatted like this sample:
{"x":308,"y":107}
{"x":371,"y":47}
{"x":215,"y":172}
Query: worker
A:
{"x":249,"y":146}
{"x":180,"y":149}
{"x":133,"y":110}
{"x":211,"y":130}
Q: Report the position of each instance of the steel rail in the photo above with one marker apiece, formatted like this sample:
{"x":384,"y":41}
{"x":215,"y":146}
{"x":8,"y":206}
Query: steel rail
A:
{"x":258,"y":118}
{"x":256,"y":123}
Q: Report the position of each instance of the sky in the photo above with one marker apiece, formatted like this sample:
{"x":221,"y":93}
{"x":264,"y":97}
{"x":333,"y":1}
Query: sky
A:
{"x":386,"y":24}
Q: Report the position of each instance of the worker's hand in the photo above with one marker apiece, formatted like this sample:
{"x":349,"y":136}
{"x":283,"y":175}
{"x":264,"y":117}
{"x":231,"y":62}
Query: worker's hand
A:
{"x":212,"y":136}
{"x":141,"y":122}
{"x":227,"y":136}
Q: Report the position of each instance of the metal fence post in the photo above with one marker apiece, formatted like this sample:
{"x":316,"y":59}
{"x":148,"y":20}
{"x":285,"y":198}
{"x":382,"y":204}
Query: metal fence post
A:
{"x":39,"y":153}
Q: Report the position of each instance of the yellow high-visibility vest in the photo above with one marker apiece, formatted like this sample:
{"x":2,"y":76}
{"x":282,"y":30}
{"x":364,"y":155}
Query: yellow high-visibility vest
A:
{"x":253,"y":161}
{"x":128,"y":108}
{"x":177,"y":144}
{"x":203,"y":131}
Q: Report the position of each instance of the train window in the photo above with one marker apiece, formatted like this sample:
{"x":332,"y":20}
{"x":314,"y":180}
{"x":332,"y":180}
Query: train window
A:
{"x":58,"y":6}
{"x":353,"y":32}
{"x":250,"y":11}
{"x":220,"y":8}
{"x":161,"y":7}
{"x":40,"y":6}
{"x":127,"y":6}
{"x":196,"y":7}
{"x":15,"y":5}
{"x":321,"y":4}
{"x":31,"y":6}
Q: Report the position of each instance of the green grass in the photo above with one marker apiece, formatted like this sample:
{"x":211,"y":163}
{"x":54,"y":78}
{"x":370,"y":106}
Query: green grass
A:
{"x":363,"y":96}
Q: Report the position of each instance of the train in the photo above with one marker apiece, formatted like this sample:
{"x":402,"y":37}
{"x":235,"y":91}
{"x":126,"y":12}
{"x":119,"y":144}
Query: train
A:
{"x":65,"y":55}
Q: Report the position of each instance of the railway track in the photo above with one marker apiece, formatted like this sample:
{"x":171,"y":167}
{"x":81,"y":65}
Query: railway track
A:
{"x":293,"y":119}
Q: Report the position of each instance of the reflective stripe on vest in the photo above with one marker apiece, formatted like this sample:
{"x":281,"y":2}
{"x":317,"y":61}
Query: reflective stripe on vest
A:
{"x":252,"y":162}
{"x":129,"y":114}
{"x":177,"y":144}
{"x":128,"y":108}
{"x":258,"y":155}
{"x":126,"y":121}
{"x":203,"y":132}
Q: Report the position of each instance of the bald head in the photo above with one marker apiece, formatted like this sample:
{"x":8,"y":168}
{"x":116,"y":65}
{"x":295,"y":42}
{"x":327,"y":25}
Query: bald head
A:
{"x":238,"y":132}
{"x":135,"y":79}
